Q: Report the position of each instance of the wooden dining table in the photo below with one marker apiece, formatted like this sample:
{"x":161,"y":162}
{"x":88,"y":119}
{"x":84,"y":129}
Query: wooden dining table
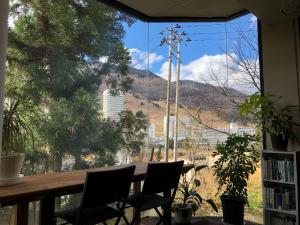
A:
{"x":46,"y":187}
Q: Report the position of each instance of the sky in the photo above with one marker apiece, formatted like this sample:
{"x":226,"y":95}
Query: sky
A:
{"x":205,"y":51}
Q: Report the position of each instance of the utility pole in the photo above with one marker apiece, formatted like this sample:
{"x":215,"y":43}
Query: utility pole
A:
{"x":166,"y":156}
{"x":177,"y":99}
{"x":173,"y":38}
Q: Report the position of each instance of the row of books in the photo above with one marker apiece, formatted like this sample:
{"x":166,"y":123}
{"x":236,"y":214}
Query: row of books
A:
{"x":280,"y":198}
{"x":282,"y":220}
{"x":280,"y":170}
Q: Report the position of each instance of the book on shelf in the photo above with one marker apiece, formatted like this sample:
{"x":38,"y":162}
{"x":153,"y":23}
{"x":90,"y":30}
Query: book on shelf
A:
{"x":279,"y":198}
{"x":282,"y":220}
{"x":279,"y":170}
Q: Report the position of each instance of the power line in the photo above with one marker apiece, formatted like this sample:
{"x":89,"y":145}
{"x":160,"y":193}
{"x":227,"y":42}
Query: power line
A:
{"x":216,"y":24}
{"x":222,"y":32}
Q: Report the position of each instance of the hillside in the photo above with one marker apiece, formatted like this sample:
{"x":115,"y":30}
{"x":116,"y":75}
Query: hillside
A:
{"x":148,"y":92}
{"x":157,"y":111}
{"x":193,"y":95}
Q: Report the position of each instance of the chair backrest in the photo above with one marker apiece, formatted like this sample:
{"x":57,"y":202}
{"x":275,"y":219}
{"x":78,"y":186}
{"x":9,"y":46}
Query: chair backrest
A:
{"x":162,"y":177}
{"x":105,"y":187}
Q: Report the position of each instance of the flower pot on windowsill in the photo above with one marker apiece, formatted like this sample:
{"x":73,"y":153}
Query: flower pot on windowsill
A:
{"x":10,"y":168}
{"x":279,"y":142}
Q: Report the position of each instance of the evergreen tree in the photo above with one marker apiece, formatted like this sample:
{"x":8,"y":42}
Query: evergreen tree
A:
{"x":134,"y":130}
{"x":52,"y":48}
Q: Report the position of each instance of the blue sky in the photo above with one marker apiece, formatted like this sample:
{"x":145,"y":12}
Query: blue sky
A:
{"x":208,"y":40}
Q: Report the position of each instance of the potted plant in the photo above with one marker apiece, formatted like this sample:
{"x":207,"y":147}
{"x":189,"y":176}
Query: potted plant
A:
{"x":237,"y":159}
{"x":277,"y":120}
{"x":188,"y":199}
{"x":15,"y":134}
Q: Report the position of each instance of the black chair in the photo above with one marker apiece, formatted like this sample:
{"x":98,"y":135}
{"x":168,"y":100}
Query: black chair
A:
{"x":101,"y":190}
{"x":161,"y":178}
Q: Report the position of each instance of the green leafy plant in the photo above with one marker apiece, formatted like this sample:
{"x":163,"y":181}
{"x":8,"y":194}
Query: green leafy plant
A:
{"x":189,"y":190}
{"x":237,"y":159}
{"x":276,"y":119}
{"x":17,"y":128}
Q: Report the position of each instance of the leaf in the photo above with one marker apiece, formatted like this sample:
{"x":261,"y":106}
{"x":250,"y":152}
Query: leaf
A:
{"x":198,"y":197}
{"x":186,"y":169}
{"x":197,"y":182}
{"x":198,"y":168}
{"x":212,"y":203}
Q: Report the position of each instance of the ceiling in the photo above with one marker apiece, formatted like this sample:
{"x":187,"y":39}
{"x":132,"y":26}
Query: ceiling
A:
{"x":180,"y":10}
{"x":268,"y":11}
{"x":273,"y":11}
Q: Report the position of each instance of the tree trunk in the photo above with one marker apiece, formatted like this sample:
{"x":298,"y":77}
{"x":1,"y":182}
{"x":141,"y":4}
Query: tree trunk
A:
{"x":78,"y":162}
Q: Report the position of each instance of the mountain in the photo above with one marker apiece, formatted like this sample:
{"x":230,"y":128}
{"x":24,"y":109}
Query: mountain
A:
{"x":193,"y":94}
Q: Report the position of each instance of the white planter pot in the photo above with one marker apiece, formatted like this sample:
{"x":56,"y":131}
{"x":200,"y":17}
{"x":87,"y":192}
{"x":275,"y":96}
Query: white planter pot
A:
{"x":183,"y":214}
{"x":11,"y":165}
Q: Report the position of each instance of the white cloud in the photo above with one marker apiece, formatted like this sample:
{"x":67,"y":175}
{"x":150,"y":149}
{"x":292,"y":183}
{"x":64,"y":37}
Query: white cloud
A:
{"x":139,"y":59}
{"x":211,"y":69}
{"x":164,"y":71}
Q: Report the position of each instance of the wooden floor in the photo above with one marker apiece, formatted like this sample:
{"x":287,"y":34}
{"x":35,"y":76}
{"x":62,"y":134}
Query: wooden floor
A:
{"x":195,"y":221}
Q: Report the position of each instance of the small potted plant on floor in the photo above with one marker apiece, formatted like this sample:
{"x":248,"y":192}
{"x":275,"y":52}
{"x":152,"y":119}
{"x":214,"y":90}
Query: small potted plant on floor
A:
{"x":277,"y":120}
{"x":237,"y":159}
{"x":188,"y":199}
{"x":15,"y":134}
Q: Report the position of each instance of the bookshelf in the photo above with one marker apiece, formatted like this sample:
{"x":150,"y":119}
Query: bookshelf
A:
{"x":280,"y":174}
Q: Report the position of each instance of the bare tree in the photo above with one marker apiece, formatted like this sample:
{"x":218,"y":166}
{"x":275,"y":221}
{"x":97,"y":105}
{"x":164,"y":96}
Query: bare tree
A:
{"x":236,"y":79}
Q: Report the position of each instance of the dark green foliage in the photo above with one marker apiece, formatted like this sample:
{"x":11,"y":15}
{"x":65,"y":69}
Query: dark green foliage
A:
{"x":134,"y":129}
{"x":276,"y":119}
{"x":17,"y":128}
{"x":188,"y":190}
{"x":237,"y":159}
{"x":52,"y":50}
{"x":34,"y":163}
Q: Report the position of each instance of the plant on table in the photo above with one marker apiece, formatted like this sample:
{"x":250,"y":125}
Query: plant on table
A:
{"x":17,"y":129}
{"x":237,"y":158}
{"x":16,"y":134}
{"x":188,"y":199}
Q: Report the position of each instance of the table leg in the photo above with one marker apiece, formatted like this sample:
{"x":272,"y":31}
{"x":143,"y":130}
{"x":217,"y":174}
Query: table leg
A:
{"x":22,"y":213}
{"x":137,"y":189}
{"x":167,"y":212}
{"x":47,"y":207}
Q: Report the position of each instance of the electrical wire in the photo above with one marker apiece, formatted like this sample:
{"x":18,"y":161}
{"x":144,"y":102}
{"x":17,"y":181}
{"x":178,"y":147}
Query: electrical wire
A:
{"x":222,"y":32}
{"x":215,"y":24}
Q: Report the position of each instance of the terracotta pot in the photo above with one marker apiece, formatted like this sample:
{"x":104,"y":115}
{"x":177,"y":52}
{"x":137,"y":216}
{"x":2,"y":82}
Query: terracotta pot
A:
{"x":11,"y":165}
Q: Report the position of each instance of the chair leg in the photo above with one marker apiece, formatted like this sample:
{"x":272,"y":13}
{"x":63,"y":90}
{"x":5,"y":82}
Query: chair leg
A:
{"x":162,"y":217}
{"x":136,"y":214}
{"x":118,"y":220}
{"x":125,"y":219}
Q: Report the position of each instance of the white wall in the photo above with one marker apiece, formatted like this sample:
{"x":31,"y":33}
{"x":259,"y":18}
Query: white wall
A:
{"x":3,"y":44}
{"x":280,"y":49}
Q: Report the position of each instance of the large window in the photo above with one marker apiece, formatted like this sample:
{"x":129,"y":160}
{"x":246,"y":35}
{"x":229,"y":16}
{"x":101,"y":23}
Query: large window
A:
{"x":93,"y":84}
